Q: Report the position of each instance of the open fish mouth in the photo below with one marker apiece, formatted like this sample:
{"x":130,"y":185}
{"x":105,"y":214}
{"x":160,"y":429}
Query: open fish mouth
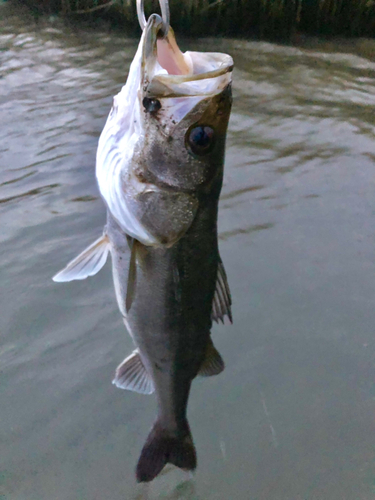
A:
{"x":167,"y":72}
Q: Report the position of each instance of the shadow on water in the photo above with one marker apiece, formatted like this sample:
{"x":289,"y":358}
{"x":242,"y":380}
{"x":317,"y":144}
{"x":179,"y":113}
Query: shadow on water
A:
{"x":296,"y":229}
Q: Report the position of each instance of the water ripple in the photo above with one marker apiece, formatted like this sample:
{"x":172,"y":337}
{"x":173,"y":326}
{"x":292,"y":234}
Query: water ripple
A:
{"x":32,"y":192}
{"x":238,"y":192}
{"x":224,"y":235}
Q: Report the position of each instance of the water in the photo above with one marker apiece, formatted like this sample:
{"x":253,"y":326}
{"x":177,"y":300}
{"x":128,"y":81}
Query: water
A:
{"x":292,"y":416}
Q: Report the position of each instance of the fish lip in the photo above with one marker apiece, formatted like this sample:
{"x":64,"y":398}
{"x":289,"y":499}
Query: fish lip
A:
{"x":149,"y":50}
{"x":159,"y":85}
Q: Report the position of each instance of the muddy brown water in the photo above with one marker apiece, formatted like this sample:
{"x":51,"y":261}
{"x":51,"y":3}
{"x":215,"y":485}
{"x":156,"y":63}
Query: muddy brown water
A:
{"x":292,"y":416}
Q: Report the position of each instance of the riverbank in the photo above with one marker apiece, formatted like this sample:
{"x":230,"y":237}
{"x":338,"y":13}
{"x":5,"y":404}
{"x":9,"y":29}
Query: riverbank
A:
{"x":267,"y":19}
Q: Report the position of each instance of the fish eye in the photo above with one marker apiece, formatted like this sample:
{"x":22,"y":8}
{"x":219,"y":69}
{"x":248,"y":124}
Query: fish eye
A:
{"x":201,"y":140}
{"x":151,"y":105}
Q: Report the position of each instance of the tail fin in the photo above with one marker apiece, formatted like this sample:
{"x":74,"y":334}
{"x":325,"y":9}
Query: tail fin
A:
{"x":162,"y":447}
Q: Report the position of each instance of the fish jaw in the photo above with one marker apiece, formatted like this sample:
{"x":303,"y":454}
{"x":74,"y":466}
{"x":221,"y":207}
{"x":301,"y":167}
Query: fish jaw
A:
{"x":121,"y":135}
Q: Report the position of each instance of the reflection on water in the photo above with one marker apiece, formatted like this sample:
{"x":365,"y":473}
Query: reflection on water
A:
{"x":297,"y":237}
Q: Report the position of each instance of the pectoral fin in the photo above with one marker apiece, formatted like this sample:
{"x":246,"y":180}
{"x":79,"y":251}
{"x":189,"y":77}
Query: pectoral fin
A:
{"x":88,"y":263}
{"x":213,"y":363}
{"x":131,"y":374}
{"x":222,"y":302}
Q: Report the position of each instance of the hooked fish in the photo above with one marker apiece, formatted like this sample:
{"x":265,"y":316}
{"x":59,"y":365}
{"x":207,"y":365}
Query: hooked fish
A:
{"x":159,"y":169}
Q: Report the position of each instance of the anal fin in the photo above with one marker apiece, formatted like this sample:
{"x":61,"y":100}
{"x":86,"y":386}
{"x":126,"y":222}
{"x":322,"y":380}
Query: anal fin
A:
{"x":213,"y":363}
{"x":88,"y":262}
{"x":132,"y":375}
{"x":222,"y":302}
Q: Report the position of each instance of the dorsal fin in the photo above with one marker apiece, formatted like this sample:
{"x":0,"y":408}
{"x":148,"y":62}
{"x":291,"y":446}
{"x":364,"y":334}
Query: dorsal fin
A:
{"x":131,"y":374}
{"x":88,"y":262}
{"x":222,"y":302}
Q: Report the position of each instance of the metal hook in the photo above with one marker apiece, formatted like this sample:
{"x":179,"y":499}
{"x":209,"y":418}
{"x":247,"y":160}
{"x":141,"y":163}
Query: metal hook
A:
{"x":164,"y":7}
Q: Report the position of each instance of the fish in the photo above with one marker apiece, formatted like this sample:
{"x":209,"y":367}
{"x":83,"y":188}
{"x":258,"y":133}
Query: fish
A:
{"x":159,"y":168}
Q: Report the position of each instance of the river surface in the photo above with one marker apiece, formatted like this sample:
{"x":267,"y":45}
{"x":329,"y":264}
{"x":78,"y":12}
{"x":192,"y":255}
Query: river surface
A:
{"x":293,"y":415}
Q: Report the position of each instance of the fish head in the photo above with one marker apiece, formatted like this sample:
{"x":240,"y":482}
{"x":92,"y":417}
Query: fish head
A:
{"x":184,"y":106}
{"x":164,"y":139}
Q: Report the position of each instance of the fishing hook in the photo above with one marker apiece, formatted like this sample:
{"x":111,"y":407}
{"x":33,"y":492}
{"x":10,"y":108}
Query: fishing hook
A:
{"x":164,"y":7}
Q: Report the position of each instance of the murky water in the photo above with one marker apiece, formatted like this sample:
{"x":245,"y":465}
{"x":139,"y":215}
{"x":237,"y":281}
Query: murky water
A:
{"x":292,"y":416}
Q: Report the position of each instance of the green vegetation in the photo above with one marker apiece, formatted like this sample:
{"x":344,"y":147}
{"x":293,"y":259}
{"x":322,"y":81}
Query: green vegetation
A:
{"x":243,"y":18}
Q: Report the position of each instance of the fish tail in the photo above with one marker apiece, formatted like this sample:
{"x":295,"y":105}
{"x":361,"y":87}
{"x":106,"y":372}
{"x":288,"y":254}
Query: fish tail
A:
{"x":164,"y":447}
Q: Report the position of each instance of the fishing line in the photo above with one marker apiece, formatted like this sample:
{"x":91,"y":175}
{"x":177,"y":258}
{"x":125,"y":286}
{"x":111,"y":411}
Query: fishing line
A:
{"x":164,"y":7}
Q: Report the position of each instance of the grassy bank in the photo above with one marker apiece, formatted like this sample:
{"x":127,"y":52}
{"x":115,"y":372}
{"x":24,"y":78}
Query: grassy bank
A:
{"x":275,"y":19}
